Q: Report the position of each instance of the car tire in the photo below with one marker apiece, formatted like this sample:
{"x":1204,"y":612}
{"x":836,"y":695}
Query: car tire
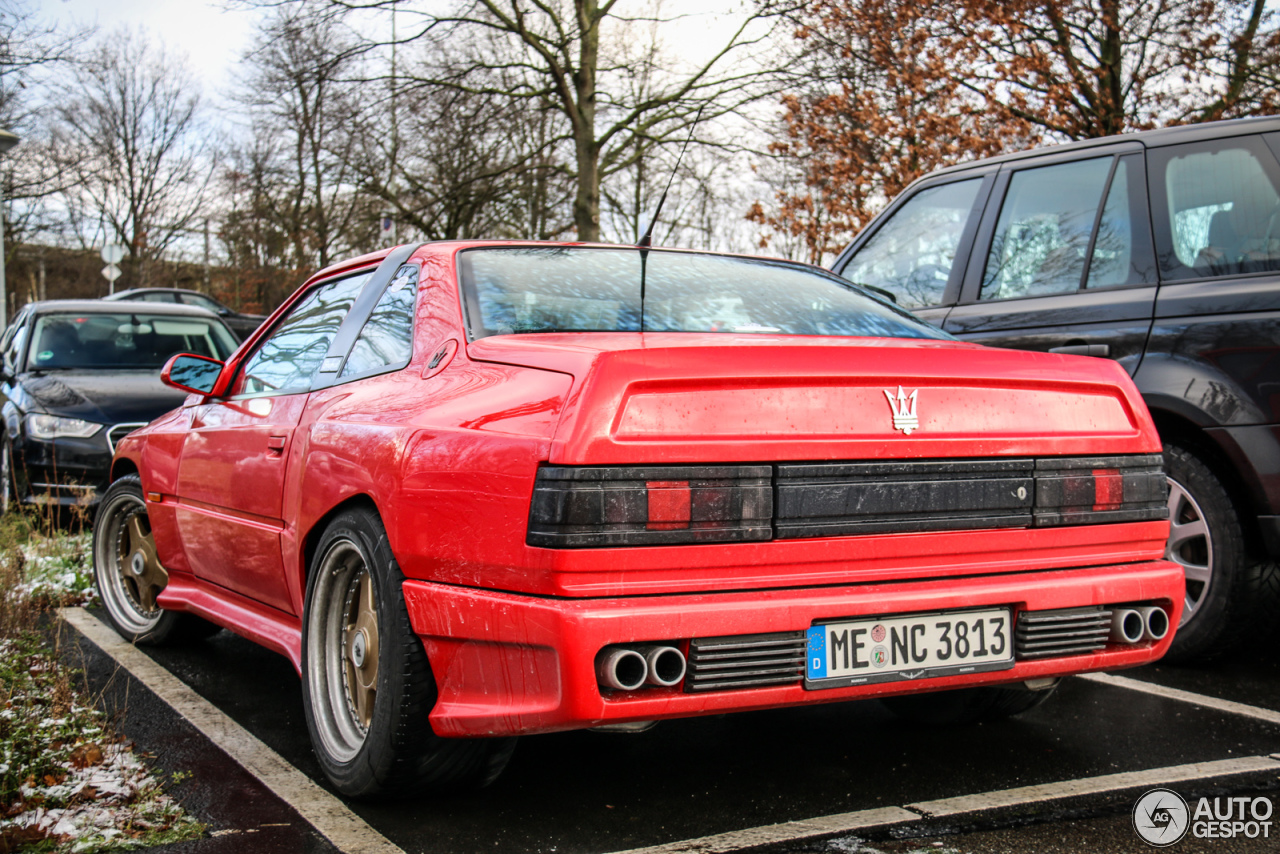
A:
{"x":128,"y":572}
{"x":1207,"y":540}
{"x":366,"y":682}
{"x":967,"y":705}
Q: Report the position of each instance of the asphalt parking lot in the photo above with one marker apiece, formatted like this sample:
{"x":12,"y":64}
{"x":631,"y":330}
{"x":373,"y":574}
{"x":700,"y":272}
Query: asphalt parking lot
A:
{"x":844,"y":778}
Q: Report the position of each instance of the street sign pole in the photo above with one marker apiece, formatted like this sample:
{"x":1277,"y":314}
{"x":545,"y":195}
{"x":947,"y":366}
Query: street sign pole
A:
{"x":7,"y":141}
{"x":113,"y":254}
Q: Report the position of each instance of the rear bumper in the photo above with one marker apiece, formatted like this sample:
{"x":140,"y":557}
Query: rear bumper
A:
{"x":508,"y":664}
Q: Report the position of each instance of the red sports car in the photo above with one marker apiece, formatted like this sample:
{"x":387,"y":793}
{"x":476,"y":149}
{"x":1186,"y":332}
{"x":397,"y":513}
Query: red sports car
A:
{"x":476,"y":490}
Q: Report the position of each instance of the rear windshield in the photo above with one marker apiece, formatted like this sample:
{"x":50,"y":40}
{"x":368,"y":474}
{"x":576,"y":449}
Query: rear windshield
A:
{"x":125,"y":340}
{"x":576,"y":289}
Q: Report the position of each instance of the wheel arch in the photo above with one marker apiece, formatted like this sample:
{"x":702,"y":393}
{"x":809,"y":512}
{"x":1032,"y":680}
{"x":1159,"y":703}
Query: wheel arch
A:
{"x":1179,"y":430}
{"x":123,"y":467}
{"x":311,"y":539}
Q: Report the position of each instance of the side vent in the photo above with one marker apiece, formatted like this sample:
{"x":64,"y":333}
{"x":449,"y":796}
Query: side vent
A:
{"x":745,"y":661}
{"x":1069,"y":631}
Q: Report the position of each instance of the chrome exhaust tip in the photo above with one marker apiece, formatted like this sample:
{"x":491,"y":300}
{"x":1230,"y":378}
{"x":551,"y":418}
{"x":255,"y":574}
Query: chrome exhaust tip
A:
{"x":621,"y":669}
{"x":666,"y":665}
{"x":1156,"y":622}
{"x":1127,"y":626}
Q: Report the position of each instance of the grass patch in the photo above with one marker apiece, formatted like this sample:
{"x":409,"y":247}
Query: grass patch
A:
{"x":67,"y":782}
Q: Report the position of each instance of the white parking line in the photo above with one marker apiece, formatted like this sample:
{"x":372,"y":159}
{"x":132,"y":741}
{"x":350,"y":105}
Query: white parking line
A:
{"x":790,"y":831}
{"x":1268,"y":715}
{"x":1094,"y":785}
{"x":326,"y":813}
{"x":794,"y":831}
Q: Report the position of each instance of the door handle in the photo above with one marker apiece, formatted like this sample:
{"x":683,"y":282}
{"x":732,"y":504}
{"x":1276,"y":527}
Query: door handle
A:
{"x":275,"y":445}
{"x":1102,"y":350}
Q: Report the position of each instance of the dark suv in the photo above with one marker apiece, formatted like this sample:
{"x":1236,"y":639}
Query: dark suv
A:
{"x":1160,"y":250}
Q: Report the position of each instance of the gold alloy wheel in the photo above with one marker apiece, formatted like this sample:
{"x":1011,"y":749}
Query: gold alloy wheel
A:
{"x":360,"y":649}
{"x":341,"y":648}
{"x":140,"y":571}
{"x":126,"y":566}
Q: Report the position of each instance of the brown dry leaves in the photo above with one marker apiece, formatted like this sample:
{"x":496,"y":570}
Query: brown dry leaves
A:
{"x":903,"y":87}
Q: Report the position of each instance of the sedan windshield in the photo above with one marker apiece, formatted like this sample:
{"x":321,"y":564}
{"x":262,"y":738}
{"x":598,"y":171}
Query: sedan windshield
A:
{"x":578,"y":289}
{"x":124,"y":340}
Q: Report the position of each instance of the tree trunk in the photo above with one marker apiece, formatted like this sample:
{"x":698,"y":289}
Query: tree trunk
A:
{"x":586,"y":202}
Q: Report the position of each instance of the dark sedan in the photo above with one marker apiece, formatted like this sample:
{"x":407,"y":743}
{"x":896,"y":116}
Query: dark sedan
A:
{"x":242,"y":325}
{"x":79,"y":375}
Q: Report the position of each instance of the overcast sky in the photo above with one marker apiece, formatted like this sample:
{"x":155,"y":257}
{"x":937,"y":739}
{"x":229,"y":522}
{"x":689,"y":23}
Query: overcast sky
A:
{"x":212,"y":38}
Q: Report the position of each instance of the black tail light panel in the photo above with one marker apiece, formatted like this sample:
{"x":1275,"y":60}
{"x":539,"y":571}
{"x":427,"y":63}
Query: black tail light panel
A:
{"x":1094,"y":490}
{"x":650,"y":505}
{"x":588,"y":506}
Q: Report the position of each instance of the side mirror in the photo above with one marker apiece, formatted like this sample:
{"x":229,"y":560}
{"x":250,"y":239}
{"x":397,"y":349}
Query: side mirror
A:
{"x":190,"y":373}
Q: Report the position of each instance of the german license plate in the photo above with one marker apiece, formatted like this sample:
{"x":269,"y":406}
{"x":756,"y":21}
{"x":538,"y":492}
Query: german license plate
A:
{"x":912,"y":646}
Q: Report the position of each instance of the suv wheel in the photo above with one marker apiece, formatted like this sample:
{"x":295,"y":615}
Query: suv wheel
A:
{"x":1207,"y":540}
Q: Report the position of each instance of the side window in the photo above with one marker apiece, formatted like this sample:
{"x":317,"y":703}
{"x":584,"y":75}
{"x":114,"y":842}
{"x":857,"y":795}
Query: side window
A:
{"x":387,"y":336}
{"x":911,"y":255}
{"x":158,"y":296}
{"x":1122,"y":253}
{"x":288,"y":359}
{"x":1216,"y":207}
{"x":1042,"y":237}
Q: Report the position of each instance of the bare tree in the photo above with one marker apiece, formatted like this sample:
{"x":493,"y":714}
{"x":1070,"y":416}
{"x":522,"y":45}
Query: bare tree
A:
{"x":303,"y":111}
{"x":565,"y":57}
{"x":129,"y":133}
{"x":30,"y":50}
{"x":448,"y":163}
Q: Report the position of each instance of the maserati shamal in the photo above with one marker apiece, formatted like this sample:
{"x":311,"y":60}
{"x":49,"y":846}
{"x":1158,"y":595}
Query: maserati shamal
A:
{"x":476,"y":490}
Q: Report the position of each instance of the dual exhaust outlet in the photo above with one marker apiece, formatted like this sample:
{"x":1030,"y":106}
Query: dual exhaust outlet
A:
{"x":1143,"y":623}
{"x":627,"y":668}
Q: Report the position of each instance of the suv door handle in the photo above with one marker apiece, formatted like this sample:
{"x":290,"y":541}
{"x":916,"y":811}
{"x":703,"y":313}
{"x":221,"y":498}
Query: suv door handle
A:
{"x":1102,"y":350}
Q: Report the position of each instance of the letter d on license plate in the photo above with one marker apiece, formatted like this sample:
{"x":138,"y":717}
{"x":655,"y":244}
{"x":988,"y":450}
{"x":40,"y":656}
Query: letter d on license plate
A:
{"x":911,"y":646}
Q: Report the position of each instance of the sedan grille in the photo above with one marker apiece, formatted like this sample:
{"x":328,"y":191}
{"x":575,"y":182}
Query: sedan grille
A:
{"x":119,"y":431}
{"x":1069,"y":631}
{"x":745,"y":661}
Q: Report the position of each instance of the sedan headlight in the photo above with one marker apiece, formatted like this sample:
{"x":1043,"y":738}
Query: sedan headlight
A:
{"x":56,"y":427}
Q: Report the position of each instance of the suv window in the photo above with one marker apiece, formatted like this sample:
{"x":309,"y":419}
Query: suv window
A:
{"x":201,"y":301}
{"x":911,"y":255}
{"x":288,"y":359}
{"x":1114,"y":261}
{"x":387,"y":336}
{"x":1042,"y":238}
{"x":1221,"y":212}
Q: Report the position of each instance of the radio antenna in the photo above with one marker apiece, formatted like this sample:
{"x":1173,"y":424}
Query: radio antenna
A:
{"x":647,"y":237}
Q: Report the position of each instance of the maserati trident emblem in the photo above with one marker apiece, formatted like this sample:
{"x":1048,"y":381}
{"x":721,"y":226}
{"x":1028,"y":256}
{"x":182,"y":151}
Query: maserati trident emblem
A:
{"x":904,"y":410}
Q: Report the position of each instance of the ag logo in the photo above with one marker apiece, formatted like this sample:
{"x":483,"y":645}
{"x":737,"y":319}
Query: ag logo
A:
{"x":1161,"y":817}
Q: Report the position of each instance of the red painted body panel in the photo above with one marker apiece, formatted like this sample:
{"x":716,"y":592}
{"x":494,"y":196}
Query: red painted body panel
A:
{"x":448,"y":455}
{"x":509,"y":664}
{"x":690,"y":397}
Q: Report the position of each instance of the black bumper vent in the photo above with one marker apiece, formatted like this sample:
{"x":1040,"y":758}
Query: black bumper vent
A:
{"x":1069,"y":631}
{"x":745,"y":661}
